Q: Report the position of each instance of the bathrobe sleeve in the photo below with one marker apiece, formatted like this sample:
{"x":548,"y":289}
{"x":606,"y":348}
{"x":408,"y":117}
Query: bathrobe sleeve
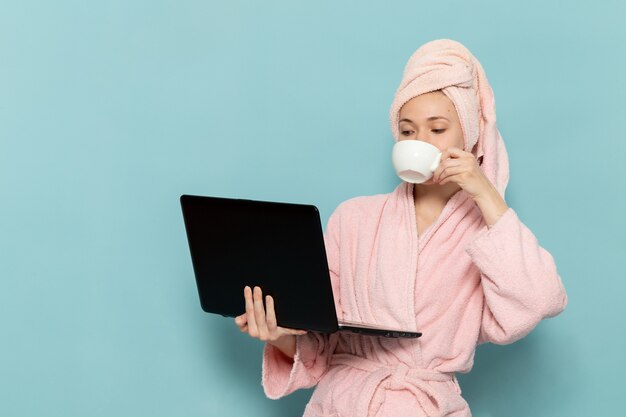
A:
{"x":519,"y":279}
{"x":283,"y":375}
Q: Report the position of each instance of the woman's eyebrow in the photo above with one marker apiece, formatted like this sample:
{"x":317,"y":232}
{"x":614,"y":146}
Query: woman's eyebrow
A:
{"x":429,"y":119}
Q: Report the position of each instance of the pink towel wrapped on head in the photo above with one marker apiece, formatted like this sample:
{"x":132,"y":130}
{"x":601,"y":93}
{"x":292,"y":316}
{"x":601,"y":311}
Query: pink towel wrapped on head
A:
{"x":460,"y":283}
{"x":448,"y":66}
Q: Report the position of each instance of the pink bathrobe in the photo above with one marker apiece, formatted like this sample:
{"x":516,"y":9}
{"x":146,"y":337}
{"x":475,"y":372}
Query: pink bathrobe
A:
{"x":460,"y":283}
{"x":458,"y":289}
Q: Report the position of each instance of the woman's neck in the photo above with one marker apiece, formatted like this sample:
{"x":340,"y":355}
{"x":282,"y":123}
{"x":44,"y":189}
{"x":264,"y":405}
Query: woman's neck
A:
{"x":433,"y":198}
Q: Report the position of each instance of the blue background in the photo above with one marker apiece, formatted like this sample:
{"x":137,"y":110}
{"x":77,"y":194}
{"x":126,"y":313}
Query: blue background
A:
{"x":110,"y":110}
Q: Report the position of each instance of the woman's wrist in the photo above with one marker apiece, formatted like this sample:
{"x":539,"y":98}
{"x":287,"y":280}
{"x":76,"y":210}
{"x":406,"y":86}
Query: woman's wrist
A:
{"x":491,"y":204}
{"x":286,"y":344}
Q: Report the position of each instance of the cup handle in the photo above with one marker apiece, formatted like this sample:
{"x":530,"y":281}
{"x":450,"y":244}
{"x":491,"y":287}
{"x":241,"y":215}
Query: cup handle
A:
{"x":436,"y":162}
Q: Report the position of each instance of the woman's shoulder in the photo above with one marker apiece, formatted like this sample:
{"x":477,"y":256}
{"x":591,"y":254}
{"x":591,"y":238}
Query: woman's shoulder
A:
{"x":360,"y":213}
{"x":355,"y":207}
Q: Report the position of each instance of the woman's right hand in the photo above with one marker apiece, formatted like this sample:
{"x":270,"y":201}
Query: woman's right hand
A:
{"x":261,"y":324}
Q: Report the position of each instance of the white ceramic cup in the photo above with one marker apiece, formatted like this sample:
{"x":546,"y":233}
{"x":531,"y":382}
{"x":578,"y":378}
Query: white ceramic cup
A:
{"x":415,"y":161}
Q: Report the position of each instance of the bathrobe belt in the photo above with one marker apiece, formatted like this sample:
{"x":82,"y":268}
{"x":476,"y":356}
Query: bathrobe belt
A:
{"x":397,"y":377}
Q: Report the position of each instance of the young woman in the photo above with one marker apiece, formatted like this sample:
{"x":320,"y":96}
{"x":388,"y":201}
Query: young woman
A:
{"x":446,"y":257}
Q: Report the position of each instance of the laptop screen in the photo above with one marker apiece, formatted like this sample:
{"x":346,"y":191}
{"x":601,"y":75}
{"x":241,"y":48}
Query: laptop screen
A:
{"x":277,"y":246}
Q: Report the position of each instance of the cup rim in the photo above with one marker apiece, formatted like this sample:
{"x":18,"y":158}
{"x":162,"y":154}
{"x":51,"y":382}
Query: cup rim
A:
{"x":412,"y":142}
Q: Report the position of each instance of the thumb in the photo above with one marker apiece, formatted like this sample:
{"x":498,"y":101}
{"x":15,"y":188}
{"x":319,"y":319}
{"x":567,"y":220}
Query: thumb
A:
{"x":296,"y":332}
{"x":241,"y":320}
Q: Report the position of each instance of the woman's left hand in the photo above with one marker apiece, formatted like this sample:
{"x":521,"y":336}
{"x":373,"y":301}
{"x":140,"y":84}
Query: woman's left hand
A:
{"x":462,"y":168}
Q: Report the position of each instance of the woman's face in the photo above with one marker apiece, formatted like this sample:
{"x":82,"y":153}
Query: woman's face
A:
{"x":432,"y":118}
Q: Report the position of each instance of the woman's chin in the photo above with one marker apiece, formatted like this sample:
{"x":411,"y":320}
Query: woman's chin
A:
{"x":429,"y":181}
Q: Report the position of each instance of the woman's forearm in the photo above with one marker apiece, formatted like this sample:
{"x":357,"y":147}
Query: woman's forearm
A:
{"x":286,"y":344}
{"x":491,"y":204}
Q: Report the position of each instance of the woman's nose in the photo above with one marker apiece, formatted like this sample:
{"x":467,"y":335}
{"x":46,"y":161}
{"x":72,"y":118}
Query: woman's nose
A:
{"x":424,"y":139}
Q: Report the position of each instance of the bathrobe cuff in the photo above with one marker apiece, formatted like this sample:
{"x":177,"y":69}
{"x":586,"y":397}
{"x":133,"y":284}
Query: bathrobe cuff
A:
{"x":519,"y":279}
{"x":483,"y":242}
{"x":282,"y":375}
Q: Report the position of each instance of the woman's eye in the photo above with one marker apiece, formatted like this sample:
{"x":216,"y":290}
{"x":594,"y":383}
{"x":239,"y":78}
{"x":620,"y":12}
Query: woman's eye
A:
{"x":409,"y":132}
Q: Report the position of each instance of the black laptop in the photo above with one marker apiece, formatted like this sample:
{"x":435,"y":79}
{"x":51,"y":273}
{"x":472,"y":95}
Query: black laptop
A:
{"x":276,"y":246}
